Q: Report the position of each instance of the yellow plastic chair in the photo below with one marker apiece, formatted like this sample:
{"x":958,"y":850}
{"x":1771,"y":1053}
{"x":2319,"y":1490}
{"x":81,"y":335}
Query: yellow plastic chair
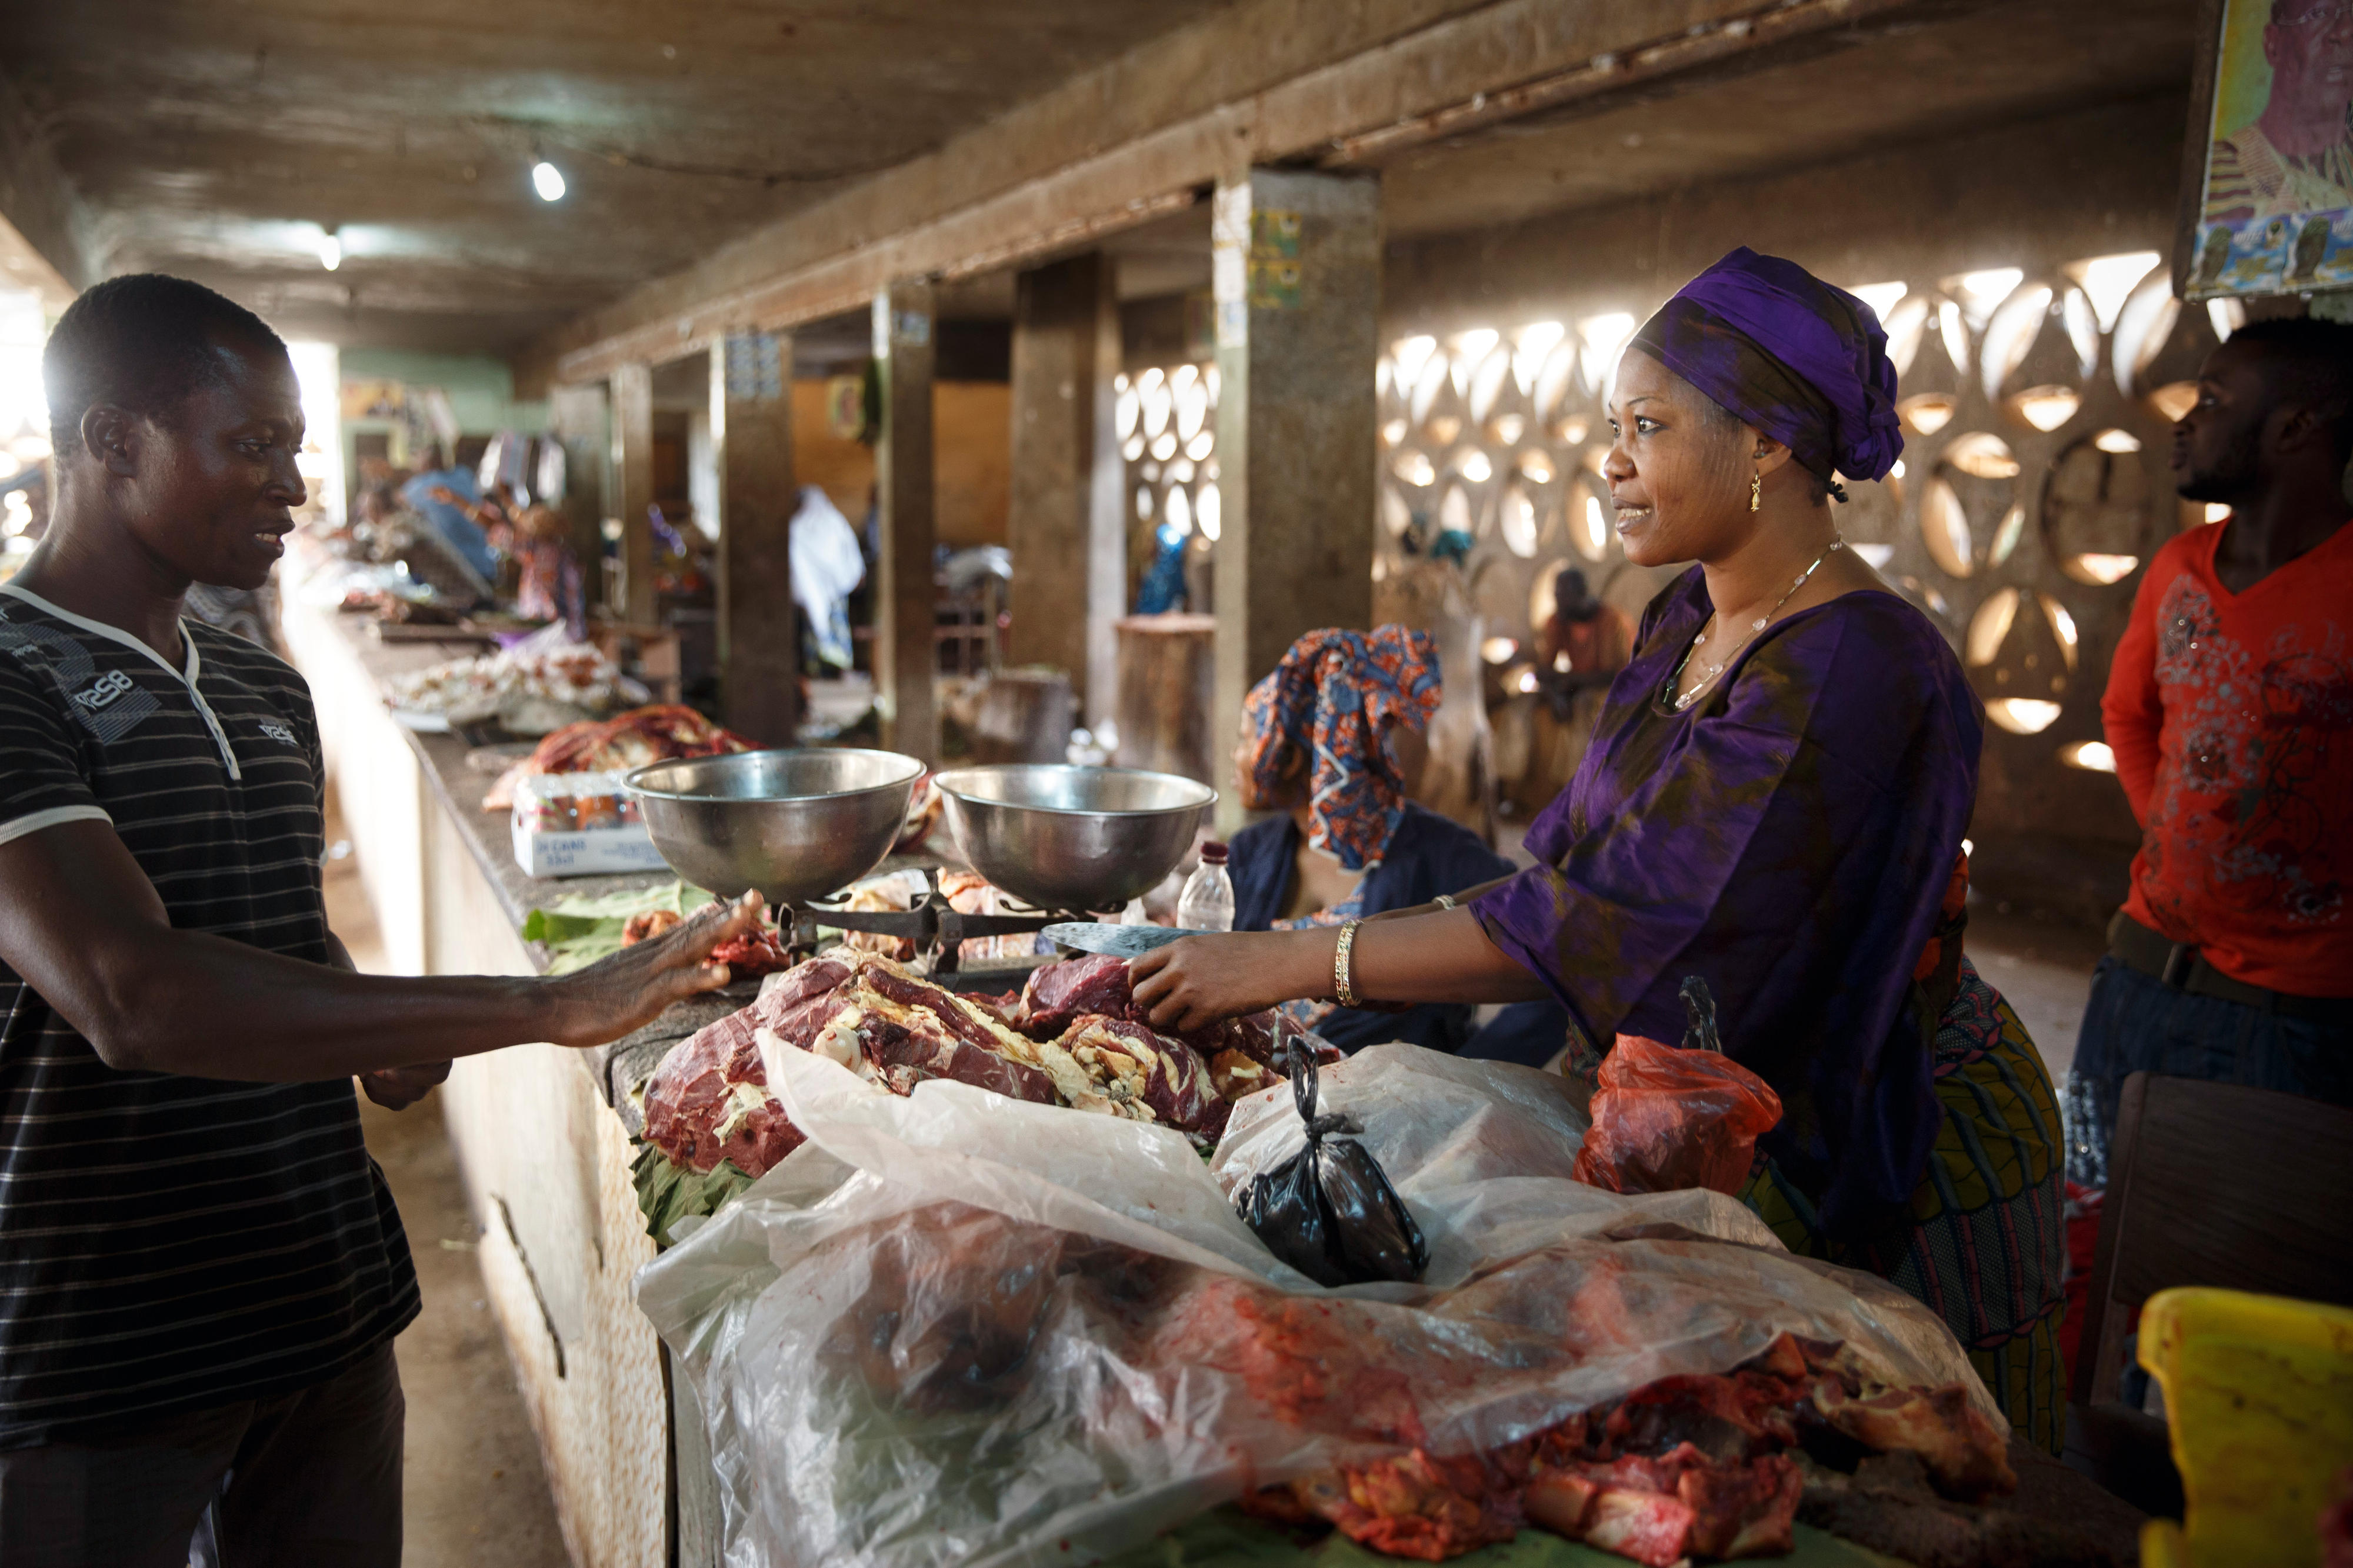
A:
{"x":2259,"y":1395}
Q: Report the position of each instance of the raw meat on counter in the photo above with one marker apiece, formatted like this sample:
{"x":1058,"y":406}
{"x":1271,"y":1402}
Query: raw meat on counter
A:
{"x":1035,"y":1335}
{"x":661,"y":733}
{"x":463,"y":690}
{"x":1691,"y":1466}
{"x":1240,"y":1052}
{"x":708,"y":1100}
{"x":965,"y":891}
{"x":751,"y":956}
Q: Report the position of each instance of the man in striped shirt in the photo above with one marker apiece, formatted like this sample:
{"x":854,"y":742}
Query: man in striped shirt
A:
{"x":201,"y":1270}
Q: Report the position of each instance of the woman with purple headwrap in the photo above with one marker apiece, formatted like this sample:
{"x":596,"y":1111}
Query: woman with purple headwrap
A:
{"x":1774,"y":802}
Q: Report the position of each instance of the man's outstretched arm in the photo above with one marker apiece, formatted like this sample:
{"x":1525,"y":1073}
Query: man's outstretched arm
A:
{"x":81,"y":923}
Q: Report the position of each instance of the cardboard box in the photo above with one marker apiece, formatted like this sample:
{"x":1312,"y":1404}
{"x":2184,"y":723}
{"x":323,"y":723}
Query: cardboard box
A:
{"x":579,"y":825}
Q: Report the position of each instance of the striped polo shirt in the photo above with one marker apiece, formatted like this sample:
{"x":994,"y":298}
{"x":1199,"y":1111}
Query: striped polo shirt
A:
{"x":167,"y":1242}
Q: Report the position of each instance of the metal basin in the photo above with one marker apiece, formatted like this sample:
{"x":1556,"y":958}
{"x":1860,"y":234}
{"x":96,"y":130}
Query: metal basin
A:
{"x":797,"y":824}
{"x":1072,"y":838}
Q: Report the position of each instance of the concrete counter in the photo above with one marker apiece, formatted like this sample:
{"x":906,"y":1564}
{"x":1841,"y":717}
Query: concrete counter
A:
{"x":544,"y":1156}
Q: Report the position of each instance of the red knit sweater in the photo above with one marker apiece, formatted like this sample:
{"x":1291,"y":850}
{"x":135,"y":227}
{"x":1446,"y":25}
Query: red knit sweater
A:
{"x":2232,"y":720}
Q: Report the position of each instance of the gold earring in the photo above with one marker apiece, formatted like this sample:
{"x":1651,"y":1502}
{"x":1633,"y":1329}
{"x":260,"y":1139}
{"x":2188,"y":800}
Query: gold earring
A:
{"x":1755,"y":492}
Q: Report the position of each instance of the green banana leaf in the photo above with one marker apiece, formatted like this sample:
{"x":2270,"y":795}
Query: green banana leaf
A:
{"x":579,"y":930}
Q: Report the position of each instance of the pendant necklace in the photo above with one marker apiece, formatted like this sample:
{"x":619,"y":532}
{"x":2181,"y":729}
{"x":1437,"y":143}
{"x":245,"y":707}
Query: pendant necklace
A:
{"x":1708,"y":672}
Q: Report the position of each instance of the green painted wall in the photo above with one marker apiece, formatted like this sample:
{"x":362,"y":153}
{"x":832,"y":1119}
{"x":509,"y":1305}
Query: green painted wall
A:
{"x":481,"y":390}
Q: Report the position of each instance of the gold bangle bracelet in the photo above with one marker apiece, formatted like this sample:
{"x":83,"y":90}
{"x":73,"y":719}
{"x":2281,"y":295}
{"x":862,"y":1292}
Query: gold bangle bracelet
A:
{"x":1343,"y":986}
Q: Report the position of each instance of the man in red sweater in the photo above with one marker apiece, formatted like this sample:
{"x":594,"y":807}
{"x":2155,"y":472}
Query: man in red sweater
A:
{"x":2230,"y":709}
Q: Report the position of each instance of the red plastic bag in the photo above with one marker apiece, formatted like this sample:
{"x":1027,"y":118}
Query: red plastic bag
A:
{"x":1667,"y":1116}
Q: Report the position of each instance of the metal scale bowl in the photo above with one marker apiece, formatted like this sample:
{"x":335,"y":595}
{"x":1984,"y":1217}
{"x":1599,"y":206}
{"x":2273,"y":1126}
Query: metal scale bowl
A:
{"x":801,"y":826}
{"x":797,"y":824}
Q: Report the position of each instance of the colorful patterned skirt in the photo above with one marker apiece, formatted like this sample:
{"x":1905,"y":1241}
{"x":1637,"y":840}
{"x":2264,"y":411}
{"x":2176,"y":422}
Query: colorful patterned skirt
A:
{"x":1987,"y":1245}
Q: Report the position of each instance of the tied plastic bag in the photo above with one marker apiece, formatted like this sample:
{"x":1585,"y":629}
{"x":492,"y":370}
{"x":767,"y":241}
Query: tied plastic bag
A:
{"x":1329,"y":1211}
{"x":1666,"y":1117}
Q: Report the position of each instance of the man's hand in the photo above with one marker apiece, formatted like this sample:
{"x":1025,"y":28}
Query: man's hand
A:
{"x":397,"y":1089}
{"x":1193,"y":983}
{"x":631,"y":988}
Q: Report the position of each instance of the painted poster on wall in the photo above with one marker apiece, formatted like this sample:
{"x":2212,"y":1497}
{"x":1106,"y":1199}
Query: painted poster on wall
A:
{"x":2277,"y":209}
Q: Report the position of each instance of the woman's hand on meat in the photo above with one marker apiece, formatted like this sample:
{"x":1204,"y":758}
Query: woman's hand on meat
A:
{"x":1193,"y":983}
{"x":631,"y":988}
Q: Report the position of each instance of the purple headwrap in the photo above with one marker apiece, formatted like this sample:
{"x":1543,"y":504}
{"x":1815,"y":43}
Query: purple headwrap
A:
{"x":1802,"y":361}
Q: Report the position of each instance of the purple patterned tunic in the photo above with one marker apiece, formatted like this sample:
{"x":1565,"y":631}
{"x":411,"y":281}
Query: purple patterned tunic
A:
{"x":1788,"y":838}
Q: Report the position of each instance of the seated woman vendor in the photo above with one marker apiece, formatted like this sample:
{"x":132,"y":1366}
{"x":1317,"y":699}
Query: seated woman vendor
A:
{"x":1333,"y":739}
{"x":1774,"y":800}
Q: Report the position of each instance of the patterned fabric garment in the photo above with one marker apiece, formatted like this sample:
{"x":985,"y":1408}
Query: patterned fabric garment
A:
{"x":2250,"y":178}
{"x":1790,"y":839}
{"x":1335,"y":699}
{"x":1800,"y":361}
{"x":1986,"y":1245}
{"x":2232,"y":720}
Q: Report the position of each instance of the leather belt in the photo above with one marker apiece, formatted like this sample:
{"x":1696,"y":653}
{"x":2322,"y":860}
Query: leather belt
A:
{"x":2180,"y":966}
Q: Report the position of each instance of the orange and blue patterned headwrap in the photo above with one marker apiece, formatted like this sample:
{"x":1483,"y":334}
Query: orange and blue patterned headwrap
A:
{"x":1334,"y":697}
{"x":1800,"y":361}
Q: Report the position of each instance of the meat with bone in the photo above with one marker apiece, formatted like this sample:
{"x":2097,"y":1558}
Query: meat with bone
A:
{"x":1240,"y":1052}
{"x":1678,"y":1505}
{"x":1688,"y":1466}
{"x":709,"y":1100}
{"x":1166,"y":1075}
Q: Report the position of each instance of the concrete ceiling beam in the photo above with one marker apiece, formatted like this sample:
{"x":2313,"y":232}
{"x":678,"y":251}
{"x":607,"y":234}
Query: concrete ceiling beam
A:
{"x":1266,"y":82}
{"x":46,"y":242}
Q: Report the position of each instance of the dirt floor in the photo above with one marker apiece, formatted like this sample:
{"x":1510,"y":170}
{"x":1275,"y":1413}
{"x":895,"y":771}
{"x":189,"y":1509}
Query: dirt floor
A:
{"x":475,"y":1494}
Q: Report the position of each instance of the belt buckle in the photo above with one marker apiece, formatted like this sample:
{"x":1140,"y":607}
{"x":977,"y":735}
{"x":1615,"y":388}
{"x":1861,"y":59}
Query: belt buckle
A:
{"x":2179,"y":963}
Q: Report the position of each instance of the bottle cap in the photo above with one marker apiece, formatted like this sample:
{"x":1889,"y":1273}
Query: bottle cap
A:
{"x":1213,"y":853}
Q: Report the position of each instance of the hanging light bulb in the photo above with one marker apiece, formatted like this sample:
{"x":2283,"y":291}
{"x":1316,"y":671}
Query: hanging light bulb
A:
{"x":330,"y":251}
{"x":547,"y":180}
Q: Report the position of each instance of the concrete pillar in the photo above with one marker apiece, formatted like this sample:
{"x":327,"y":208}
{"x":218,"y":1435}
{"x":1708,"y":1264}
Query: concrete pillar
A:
{"x":906,"y":651}
{"x":1296,"y":261}
{"x":579,"y":418}
{"x":752,"y":449}
{"x":1068,"y":525}
{"x":633,"y":491}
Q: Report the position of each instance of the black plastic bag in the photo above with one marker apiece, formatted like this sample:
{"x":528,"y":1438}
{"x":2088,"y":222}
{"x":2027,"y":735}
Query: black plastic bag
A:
{"x":1329,"y":1211}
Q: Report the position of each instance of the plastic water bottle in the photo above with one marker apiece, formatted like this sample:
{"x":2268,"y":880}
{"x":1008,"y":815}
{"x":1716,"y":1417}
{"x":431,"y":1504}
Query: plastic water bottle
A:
{"x":1207,"y":900}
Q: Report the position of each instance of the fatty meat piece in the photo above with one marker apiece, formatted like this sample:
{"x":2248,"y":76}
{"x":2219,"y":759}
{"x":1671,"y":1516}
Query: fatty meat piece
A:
{"x":1135,"y":1065}
{"x":1417,"y":1506}
{"x":1689,"y":1466}
{"x":709,"y":1099}
{"x":1240,"y":1052}
{"x":1658,"y":1510}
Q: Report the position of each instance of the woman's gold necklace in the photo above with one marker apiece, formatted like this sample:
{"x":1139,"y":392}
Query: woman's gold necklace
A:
{"x":1708,"y":672}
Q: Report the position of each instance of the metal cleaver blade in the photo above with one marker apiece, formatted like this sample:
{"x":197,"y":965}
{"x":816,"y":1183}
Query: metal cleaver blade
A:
{"x":1120,"y":942}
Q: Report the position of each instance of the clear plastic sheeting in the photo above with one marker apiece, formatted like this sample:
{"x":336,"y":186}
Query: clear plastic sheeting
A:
{"x":956,"y":1327}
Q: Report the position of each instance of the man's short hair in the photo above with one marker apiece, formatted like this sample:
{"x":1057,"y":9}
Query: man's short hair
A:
{"x":143,"y":342}
{"x":2309,"y":361}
